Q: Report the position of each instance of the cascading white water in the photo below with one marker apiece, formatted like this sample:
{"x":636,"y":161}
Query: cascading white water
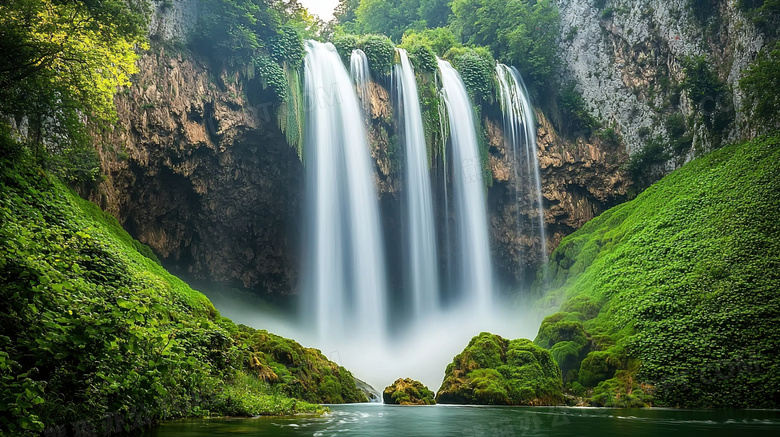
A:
{"x":358,"y":65}
{"x":476,"y":276}
{"x":345,"y":288}
{"x":345,"y":299}
{"x":520,"y":130}
{"x":419,"y":224}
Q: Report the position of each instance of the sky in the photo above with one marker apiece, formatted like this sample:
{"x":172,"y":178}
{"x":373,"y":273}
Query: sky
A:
{"x":323,"y":8}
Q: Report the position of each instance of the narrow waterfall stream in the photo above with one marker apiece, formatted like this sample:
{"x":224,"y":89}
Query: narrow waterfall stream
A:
{"x":520,"y":134}
{"x":476,"y":281}
{"x":419,"y":226}
{"x":345,"y":278}
{"x":358,"y":68}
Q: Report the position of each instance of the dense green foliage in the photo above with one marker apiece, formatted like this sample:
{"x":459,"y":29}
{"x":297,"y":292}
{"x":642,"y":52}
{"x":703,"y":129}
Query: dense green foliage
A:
{"x":299,"y":372}
{"x":495,"y":371}
{"x":379,"y":50}
{"x":91,"y":327}
{"x":520,"y":33}
{"x":764,"y":13}
{"x":709,"y":95}
{"x":648,"y":165}
{"x":408,"y":392}
{"x":60,"y":65}
{"x":761,"y":84}
{"x":571,"y":104}
{"x":477,"y":70}
{"x":676,"y":291}
{"x":392,"y":17}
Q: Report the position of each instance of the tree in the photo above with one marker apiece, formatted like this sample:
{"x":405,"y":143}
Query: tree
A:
{"x":519,"y":32}
{"x":761,"y":84}
{"x":436,"y":13}
{"x":61,"y":62}
{"x":389,"y":17}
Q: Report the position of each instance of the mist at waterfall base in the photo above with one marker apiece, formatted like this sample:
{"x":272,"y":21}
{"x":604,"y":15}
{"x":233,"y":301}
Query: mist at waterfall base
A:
{"x":348,"y":311}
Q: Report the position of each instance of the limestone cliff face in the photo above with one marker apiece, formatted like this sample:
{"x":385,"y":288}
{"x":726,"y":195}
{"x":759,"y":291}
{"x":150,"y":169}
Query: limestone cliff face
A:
{"x":627,"y":57}
{"x":203,"y":176}
{"x":580,"y":180}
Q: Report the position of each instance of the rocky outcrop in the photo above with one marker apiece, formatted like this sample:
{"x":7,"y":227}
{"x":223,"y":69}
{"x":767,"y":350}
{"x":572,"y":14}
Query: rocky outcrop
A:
{"x":198,"y":170}
{"x":627,"y":59}
{"x":408,"y":392}
{"x":580,"y":179}
{"x":495,"y":371}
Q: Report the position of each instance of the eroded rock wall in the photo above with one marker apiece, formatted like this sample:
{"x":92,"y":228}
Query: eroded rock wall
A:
{"x":580,"y":180}
{"x":204,"y":176}
{"x":627,"y":57}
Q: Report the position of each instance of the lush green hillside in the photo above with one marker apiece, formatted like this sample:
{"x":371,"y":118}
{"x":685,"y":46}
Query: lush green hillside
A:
{"x":674,"y":298}
{"x":92,"y":325}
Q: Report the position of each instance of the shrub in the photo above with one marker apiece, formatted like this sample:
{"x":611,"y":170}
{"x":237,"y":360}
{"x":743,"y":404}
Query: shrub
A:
{"x":476,"y":67}
{"x":380,"y":52}
{"x":761,"y":84}
{"x":287,"y":46}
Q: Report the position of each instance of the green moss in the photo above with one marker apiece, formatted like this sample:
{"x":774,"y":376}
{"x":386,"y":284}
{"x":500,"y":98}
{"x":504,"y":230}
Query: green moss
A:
{"x":91,"y":326}
{"x":685,"y":277}
{"x":495,"y":371}
{"x":291,"y":113}
{"x":408,"y":392}
{"x":299,"y":372}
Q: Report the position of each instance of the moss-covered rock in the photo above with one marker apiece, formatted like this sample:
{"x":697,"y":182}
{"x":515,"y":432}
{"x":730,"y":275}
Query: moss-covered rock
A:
{"x":676,"y":290}
{"x":564,"y":335}
{"x":300,"y":372}
{"x":408,"y":392}
{"x":496,"y":371}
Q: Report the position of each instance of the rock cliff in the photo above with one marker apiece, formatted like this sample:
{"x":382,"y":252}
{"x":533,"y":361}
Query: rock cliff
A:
{"x":628,"y":58}
{"x":201,"y":173}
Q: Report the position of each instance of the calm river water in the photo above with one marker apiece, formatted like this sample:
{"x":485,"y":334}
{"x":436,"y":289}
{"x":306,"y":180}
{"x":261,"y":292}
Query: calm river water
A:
{"x":389,"y":420}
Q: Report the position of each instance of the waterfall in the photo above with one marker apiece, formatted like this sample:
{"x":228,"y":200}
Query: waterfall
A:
{"x":476,"y":280}
{"x":358,"y":65}
{"x":421,"y":265}
{"x":344,"y":289}
{"x":520,"y":130}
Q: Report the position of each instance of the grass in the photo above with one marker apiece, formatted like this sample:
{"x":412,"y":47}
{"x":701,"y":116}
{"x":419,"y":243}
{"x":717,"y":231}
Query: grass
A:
{"x":677,"y":290}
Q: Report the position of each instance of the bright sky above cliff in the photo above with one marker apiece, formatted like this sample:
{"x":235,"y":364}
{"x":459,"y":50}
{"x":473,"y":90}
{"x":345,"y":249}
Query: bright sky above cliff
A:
{"x":323,"y":8}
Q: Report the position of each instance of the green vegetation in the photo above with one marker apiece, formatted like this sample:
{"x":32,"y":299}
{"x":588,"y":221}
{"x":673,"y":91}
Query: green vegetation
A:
{"x":477,"y":70}
{"x":495,"y":371}
{"x":764,"y":13}
{"x":519,"y":33}
{"x":93,"y":327}
{"x":392,"y":17}
{"x":579,"y":122}
{"x":408,"y":392}
{"x":671,"y":299}
{"x":761,"y":84}
{"x":710,"y":96}
{"x":61,"y":63}
{"x":379,"y":50}
{"x":299,"y":372}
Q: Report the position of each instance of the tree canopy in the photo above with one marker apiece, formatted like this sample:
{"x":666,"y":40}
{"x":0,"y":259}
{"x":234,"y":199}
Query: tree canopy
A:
{"x":61,"y":62}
